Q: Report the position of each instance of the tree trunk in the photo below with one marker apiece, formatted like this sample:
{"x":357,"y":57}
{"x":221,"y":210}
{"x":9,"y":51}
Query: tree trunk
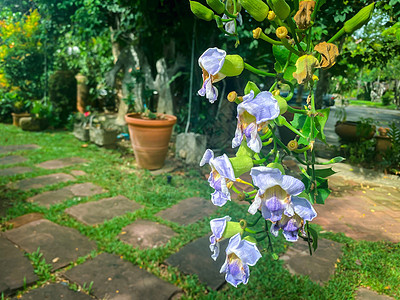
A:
{"x":161,"y":84}
{"x":322,"y":87}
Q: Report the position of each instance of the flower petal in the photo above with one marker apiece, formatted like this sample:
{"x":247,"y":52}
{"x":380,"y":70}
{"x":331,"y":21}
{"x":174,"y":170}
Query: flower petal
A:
{"x":303,"y":208}
{"x":224,"y":167}
{"x":207,"y":157}
{"x":291,"y":185}
{"x":255,"y":205}
{"x":248,"y":253}
{"x":264,"y":107}
{"x":212,"y":60}
{"x":265,"y":178}
{"x":291,"y":236}
{"x":237,"y":140}
{"x":218,"y":226}
{"x":219,"y":199}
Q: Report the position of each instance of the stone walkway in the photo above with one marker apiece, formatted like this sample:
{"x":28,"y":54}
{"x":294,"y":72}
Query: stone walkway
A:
{"x":376,"y":203}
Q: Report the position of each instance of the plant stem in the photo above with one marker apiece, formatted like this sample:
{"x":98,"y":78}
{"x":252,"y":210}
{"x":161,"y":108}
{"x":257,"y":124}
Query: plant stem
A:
{"x":337,"y":35}
{"x":257,"y":71}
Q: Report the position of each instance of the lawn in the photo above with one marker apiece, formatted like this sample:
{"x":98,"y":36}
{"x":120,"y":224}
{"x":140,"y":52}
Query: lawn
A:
{"x":372,"y":104}
{"x":369,"y":264}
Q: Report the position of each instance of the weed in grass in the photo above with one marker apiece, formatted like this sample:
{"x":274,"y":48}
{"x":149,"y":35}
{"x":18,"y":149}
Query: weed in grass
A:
{"x":41,"y":268}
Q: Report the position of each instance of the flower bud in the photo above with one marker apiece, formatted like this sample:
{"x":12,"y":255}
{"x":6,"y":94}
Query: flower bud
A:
{"x":281,"y":9}
{"x":233,"y":65}
{"x":271,"y":15}
{"x":232,"y":96}
{"x":256,"y":8}
{"x":231,"y":229}
{"x":256,"y":33}
{"x":276,"y":166}
{"x":216,"y":5}
{"x":244,"y":150}
{"x":360,"y":19}
{"x":200,"y":11}
{"x":293,"y":145}
{"x":282,"y":104}
{"x":281,"y":32}
{"x":241,"y":164}
{"x":276,"y":92}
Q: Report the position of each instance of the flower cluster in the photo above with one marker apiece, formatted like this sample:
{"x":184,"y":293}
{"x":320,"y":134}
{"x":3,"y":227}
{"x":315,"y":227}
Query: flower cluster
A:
{"x":283,"y":202}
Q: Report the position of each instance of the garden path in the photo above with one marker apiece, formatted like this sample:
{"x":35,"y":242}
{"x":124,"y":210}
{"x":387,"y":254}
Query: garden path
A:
{"x":355,"y":197}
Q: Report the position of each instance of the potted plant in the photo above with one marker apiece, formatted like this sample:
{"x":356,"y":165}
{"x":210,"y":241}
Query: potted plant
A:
{"x":150,"y":134}
{"x":383,"y":142}
{"x":20,"y":107}
{"x":39,"y":116}
{"x":102,"y":132}
{"x":352,"y":131}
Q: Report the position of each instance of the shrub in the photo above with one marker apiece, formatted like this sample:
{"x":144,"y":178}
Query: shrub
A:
{"x":62,"y":93}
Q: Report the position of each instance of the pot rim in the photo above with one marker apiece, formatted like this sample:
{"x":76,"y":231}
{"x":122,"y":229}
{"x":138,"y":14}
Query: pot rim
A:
{"x":136,"y":120}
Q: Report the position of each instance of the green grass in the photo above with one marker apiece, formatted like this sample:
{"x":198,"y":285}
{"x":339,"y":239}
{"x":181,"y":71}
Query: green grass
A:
{"x":376,"y":265}
{"x":372,"y":104}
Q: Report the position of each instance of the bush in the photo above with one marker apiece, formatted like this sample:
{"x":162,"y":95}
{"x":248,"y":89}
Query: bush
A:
{"x":62,"y":93}
{"x":388,"y":98}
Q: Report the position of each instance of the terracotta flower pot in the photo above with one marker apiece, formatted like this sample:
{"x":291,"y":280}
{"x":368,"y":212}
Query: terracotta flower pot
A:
{"x":347,"y":131}
{"x":150,"y":139}
{"x":17,"y":117}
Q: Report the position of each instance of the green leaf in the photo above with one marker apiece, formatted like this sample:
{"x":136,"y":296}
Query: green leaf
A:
{"x":320,"y":122}
{"x":298,"y":121}
{"x":334,"y":160}
{"x":314,"y":235}
{"x":323,"y":173}
{"x":251,"y":86}
{"x":322,"y":190}
{"x":322,"y":194}
{"x":281,"y":55}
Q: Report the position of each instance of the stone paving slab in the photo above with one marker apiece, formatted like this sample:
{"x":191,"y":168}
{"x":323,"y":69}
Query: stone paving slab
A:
{"x":60,"y":245}
{"x":188,"y":211}
{"x":12,"y":159}
{"x":14,"y":267}
{"x":320,"y":266}
{"x":146,"y":234}
{"x":114,"y":278}
{"x":96,"y":212}
{"x":77,"y":190}
{"x":61,"y":163}
{"x":361,"y":211}
{"x":15,"y":171}
{"x":78,"y":173}
{"x":41,"y":181}
{"x":54,"y":291}
{"x":367,"y":294}
{"x":13,"y":148}
{"x":195,"y":258}
{"x":24,"y":219}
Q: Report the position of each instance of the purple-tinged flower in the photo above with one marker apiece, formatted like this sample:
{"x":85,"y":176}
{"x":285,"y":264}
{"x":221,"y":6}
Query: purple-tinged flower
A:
{"x":240,"y":254}
{"x":253,"y":115}
{"x":275,"y":192}
{"x":303,"y":211}
{"x":230,"y":26}
{"x":218,"y":227}
{"x":221,"y":177}
{"x":211,"y":62}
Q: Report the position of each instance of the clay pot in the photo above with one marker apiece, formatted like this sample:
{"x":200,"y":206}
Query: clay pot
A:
{"x":149,"y":139}
{"x":347,"y":131}
{"x":17,"y":117}
{"x":383,"y":144}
